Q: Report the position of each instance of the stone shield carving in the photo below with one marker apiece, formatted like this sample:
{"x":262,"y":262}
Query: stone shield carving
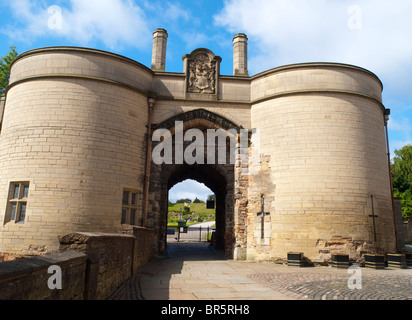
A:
{"x":202,"y":73}
{"x":202,"y":70}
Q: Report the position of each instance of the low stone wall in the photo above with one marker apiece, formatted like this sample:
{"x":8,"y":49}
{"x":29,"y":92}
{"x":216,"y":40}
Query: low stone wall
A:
{"x":27,"y":279}
{"x":110,"y":260}
{"x":93,"y":265}
{"x":143,"y":246}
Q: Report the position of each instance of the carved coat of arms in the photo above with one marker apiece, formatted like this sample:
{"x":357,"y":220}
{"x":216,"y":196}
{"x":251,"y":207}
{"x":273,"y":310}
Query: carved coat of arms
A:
{"x":202,"y":74}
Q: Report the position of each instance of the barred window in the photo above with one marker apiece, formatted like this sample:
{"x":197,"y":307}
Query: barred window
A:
{"x":130,"y":207}
{"x":17,"y":202}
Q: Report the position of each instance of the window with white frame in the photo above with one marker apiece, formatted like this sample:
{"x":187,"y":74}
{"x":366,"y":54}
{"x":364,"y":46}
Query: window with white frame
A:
{"x":17,"y":202}
{"x":130,"y":206}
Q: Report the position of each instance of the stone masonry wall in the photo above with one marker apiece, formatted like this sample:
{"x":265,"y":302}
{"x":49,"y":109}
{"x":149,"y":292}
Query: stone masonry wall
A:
{"x":27,"y":279}
{"x":93,"y":265}
{"x":110,"y":259}
{"x":407,"y":229}
{"x":323,"y":135}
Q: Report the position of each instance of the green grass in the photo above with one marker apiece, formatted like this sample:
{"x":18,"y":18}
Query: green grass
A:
{"x":194,"y":207}
{"x":199,"y":209}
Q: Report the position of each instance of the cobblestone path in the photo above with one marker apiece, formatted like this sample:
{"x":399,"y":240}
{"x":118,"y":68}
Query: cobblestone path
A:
{"x":324,"y":285}
{"x":193,"y":272}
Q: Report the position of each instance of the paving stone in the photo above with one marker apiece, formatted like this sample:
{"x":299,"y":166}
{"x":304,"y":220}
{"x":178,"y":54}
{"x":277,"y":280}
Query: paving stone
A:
{"x":221,"y":279}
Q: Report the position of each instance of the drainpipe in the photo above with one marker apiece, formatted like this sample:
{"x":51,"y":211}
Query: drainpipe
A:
{"x":150,"y":102}
{"x":387,"y":113}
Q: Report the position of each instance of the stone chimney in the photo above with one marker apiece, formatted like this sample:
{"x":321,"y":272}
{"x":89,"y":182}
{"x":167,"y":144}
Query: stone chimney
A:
{"x":159,"y":50}
{"x":240,"y":55}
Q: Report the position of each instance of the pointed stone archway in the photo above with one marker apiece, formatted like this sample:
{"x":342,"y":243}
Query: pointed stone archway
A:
{"x":220,"y":178}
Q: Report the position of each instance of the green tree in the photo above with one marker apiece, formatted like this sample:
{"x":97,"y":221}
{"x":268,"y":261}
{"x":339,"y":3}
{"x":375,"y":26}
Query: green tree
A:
{"x":211,"y":197}
{"x":5,"y":63}
{"x":186,"y":213}
{"x":406,"y":202}
{"x":198,"y":201}
{"x":187,"y":200}
{"x":402,"y":179}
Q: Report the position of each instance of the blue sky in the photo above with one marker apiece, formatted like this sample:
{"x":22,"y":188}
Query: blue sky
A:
{"x":373,"y":34}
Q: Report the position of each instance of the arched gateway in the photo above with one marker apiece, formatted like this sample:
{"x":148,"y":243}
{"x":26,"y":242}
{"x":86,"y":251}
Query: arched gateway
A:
{"x":303,"y":165}
{"x":217,"y":175}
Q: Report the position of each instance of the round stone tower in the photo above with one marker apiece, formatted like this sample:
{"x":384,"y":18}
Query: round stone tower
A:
{"x":71,"y":145}
{"x":323,"y":167}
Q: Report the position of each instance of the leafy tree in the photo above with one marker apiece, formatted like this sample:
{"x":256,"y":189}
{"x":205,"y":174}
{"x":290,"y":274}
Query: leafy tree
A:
{"x":402,"y":179}
{"x":187,"y":200}
{"x":406,"y":202}
{"x":186,"y":213}
{"x":5,"y":63}
{"x":198,"y":201}
{"x":211,"y":197}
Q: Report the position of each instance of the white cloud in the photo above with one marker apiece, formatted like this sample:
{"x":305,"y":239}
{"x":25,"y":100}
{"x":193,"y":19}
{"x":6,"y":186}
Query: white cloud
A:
{"x":283,"y":32}
{"x":113,"y":22}
{"x":190,"y":189}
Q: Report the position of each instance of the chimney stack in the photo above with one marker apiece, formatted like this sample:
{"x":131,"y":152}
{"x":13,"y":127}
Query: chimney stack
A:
{"x":159,"y":50}
{"x":240,"y":55}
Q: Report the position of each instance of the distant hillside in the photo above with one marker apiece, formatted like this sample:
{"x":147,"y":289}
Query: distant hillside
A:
{"x":198,"y":210}
{"x":194,"y":207}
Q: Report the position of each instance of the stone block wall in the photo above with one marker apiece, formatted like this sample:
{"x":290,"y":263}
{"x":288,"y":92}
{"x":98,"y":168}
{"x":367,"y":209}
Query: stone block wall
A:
{"x":93,"y":265}
{"x":2,"y":103}
{"x":407,"y":229}
{"x":325,"y":142}
{"x":110,"y":260}
{"x":76,"y":140}
{"x":27,"y":279}
{"x":144,"y":244}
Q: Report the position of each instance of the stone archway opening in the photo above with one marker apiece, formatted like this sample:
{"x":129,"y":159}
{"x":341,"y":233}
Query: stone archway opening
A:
{"x":200,"y":218}
{"x":217,"y":183}
{"x":217,"y":176}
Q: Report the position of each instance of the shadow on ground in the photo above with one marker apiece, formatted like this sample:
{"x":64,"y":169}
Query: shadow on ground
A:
{"x":152,"y":281}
